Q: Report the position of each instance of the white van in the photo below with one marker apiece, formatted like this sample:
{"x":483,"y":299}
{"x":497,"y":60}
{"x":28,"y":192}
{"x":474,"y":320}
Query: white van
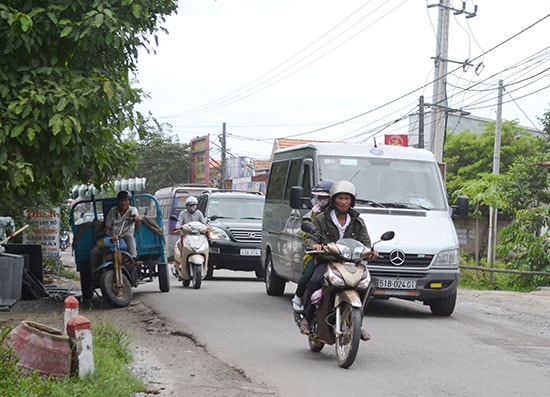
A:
{"x":399,"y":189}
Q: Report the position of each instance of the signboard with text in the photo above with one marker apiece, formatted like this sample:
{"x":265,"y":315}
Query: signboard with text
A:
{"x":44,"y":230}
{"x":200,"y":160}
{"x":396,"y":139}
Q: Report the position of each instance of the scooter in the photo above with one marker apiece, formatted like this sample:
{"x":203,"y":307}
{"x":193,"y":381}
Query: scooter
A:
{"x":64,"y":240}
{"x":339,"y":304}
{"x":191,"y":254}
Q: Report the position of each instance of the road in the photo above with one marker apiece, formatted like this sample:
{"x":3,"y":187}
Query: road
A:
{"x":495,"y":344}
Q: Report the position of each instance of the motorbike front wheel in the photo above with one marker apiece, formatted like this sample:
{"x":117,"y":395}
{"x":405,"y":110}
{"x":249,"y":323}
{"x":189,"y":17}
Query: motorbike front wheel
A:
{"x":116,"y":296}
{"x":196,"y":275}
{"x":347,"y":343}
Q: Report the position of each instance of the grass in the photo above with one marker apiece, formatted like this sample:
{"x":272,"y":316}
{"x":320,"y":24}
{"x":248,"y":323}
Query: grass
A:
{"x":111,"y":378}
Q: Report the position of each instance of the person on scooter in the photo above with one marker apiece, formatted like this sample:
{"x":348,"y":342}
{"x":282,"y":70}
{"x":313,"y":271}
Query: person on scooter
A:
{"x":321,"y":196}
{"x":190,"y":213}
{"x":339,"y":221}
{"x":122,"y":220}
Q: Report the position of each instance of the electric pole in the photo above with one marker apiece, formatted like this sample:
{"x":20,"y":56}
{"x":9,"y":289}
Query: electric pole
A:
{"x":421,"y":122}
{"x":224,"y":157}
{"x":493,"y":211}
{"x":439,"y":98}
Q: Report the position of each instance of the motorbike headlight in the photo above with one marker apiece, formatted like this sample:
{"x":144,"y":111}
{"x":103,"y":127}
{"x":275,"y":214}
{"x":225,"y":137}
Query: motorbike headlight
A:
{"x":334,"y":278}
{"x":365,"y":281}
{"x":217,"y":233}
{"x":448,"y":258}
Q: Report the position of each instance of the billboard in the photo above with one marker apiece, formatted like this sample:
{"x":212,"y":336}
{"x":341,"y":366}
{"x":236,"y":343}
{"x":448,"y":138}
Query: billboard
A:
{"x":200,"y":160}
{"x":396,"y":139}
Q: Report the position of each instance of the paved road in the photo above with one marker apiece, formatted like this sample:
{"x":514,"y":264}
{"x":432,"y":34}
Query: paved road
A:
{"x":495,"y":344}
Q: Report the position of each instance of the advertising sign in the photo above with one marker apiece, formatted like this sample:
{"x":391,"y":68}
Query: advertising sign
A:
{"x":44,"y":230}
{"x":396,"y":139}
{"x":200,"y":160}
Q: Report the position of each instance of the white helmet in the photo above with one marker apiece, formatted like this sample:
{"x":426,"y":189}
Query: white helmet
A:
{"x":342,"y":187}
{"x":191,"y":200}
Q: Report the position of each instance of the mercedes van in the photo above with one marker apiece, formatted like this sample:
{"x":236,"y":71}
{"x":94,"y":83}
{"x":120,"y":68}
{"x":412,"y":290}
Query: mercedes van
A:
{"x":398,"y":188}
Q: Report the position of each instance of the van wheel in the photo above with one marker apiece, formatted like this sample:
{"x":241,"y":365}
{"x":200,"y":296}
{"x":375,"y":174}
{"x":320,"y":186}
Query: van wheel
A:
{"x":444,"y":306}
{"x":274,"y":285}
{"x":260,"y":272}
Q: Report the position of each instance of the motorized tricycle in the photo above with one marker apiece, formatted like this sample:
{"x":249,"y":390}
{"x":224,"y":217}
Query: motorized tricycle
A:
{"x":118,"y":272}
{"x":191,"y":254}
{"x":343,"y":297}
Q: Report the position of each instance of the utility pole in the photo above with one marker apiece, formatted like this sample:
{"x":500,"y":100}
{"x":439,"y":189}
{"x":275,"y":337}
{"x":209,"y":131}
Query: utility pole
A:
{"x":493,"y":211}
{"x":421,"y":122}
{"x":439,"y":98}
{"x":224,"y":157}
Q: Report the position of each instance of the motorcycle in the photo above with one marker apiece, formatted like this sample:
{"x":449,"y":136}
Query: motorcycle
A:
{"x":339,"y":304}
{"x":117,"y":272}
{"x":191,"y":254}
{"x":64,"y":240}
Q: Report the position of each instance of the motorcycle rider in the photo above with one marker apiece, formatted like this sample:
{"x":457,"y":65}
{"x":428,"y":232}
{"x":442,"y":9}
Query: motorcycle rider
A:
{"x":321,"y":194}
{"x":339,"y":221}
{"x":127,"y":214}
{"x":190,"y":213}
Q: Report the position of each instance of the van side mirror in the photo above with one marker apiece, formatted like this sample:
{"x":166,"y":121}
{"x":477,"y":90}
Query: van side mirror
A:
{"x":297,"y":199}
{"x":460,"y":210}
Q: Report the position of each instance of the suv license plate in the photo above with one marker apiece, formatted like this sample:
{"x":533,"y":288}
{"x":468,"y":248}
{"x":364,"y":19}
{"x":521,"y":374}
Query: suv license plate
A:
{"x":250,"y":252}
{"x":394,"y":283}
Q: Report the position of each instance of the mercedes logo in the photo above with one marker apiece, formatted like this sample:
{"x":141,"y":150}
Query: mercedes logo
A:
{"x":397,"y":257}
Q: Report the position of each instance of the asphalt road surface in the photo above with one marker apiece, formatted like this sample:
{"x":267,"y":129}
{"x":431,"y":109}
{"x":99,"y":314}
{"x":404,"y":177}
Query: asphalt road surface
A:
{"x":495,"y":343}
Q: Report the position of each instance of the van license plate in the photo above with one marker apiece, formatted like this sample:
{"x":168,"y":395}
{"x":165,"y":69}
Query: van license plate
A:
{"x":394,"y":283}
{"x":250,"y":252}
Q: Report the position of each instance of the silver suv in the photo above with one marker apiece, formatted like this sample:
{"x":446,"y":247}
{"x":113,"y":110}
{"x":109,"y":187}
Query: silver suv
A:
{"x":235,"y":238}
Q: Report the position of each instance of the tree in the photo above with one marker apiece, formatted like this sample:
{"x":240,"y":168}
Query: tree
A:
{"x":66,"y":91}
{"x":163,"y":161}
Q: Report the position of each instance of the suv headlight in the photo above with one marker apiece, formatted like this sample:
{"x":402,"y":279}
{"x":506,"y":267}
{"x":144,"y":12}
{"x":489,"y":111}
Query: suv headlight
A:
{"x":448,"y":258}
{"x":217,"y":233}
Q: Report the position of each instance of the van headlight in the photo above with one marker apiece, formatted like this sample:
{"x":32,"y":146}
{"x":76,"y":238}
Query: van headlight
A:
{"x":448,"y":258}
{"x":217,"y":233}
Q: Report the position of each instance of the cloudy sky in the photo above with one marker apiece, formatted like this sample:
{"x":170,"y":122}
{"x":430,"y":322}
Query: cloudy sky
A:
{"x":339,"y":70}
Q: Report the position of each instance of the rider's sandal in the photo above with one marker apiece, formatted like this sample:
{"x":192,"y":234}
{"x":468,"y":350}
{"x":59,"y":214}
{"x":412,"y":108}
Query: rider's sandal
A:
{"x":365,"y":335}
{"x":304,"y":327}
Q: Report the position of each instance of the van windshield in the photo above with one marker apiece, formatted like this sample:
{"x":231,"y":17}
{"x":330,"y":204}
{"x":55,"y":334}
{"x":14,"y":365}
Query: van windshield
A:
{"x":384,"y":182}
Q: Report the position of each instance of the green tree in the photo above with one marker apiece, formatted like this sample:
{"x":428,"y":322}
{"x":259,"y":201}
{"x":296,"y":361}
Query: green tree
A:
{"x":67,"y":92}
{"x":468,"y":155}
{"x":163,"y":161}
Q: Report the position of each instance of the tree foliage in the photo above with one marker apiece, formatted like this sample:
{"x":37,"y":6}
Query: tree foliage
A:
{"x":66,"y":91}
{"x":163,"y":161}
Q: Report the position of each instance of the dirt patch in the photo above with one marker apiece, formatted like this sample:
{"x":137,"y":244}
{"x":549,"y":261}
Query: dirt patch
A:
{"x":168,"y":360}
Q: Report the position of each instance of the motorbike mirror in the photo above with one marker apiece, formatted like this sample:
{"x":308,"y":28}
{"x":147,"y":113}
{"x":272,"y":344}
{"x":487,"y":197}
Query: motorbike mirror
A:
{"x":308,"y":227}
{"x":173,"y":218}
{"x":387,"y":235}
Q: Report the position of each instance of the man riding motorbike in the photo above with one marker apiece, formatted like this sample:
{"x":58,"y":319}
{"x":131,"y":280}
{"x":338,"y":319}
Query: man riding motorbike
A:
{"x":339,"y":221}
{"x":190,"y":213}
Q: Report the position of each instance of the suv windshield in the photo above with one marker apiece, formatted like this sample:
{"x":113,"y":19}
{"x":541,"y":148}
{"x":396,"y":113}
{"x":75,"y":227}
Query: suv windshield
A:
{"x":237,"y":208}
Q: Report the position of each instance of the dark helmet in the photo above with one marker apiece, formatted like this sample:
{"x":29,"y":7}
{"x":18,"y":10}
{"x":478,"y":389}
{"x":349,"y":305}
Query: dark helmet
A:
{"x":342,"y":187}
{"x":122,"y":195}
{"x":323,"y":186}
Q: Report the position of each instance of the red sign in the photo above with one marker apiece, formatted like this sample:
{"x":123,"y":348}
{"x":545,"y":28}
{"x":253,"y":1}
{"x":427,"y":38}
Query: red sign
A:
{"x":396,"y":139}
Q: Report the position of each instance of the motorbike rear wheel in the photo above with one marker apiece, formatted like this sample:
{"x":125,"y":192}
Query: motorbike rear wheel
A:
{"x":196,"y":275}
{"x":347,"y":344}
{"x":115,"y":296}
{"x":315,"y":345}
